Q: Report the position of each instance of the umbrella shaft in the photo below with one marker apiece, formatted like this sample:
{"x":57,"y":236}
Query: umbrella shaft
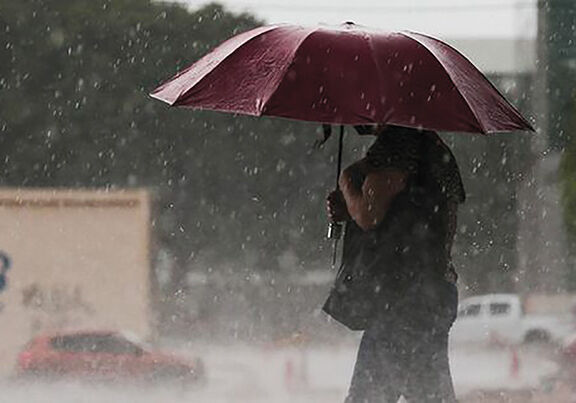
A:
{"x":335,"y":253}
{"x":340,"y":147}
{"x":334,"y":228}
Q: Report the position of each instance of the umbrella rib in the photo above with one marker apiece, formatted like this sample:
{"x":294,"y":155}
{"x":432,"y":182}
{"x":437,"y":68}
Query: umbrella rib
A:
{"x":184,"y":91}
{"x":503,"y":98}
{"x":285,"y":69}
{"x":372,"y":52}
{"x":480,"y":125}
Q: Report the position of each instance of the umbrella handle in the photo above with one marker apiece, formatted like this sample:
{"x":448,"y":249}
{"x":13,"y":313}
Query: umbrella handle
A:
{"x":335,"y":228}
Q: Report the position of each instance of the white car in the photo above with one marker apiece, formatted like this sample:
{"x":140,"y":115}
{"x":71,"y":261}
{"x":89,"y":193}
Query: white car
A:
{"x":500,"y":318}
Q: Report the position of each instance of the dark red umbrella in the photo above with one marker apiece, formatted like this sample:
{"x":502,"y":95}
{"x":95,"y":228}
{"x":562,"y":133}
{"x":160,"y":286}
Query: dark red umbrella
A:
{"x":344,"y":75}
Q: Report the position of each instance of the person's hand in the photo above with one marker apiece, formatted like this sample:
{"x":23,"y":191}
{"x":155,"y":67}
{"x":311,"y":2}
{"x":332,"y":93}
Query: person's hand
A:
{"x":336,"y":207}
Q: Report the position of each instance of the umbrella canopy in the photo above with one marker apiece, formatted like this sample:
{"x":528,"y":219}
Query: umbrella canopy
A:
{"x":344,"y":75}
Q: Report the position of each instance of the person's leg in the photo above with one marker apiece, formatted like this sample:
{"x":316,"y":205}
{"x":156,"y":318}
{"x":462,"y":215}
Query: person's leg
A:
{"x":430,"y":380}
{"x":407,"y":355}
{"x":376,"y":377}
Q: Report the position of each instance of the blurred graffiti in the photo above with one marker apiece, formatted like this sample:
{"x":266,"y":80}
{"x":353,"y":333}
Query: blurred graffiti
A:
{"x":56,"y":306}
{"x":57,"y":298}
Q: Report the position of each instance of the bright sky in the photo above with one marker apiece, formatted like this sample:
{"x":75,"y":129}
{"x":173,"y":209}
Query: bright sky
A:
{"x":442,"y":18}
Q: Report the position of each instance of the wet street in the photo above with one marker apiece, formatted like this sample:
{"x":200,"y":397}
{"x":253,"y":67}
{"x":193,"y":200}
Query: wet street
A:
{"x":245,"y":374}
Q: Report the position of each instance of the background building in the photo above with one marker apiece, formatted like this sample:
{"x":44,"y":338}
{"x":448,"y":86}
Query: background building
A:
{"x":79,"y":259}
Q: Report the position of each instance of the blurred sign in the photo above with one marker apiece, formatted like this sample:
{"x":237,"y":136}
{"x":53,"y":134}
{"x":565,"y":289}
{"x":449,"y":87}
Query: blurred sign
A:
{"x":5,"y":264}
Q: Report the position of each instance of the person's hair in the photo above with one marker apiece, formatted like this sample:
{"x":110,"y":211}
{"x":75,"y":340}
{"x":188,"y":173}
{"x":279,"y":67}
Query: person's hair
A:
{"x":365,"y":129}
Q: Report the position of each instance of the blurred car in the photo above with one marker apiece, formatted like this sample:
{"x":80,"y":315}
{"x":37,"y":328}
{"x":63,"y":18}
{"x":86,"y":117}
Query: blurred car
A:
{"x":102,"y":355}
{"x":500,"y":318}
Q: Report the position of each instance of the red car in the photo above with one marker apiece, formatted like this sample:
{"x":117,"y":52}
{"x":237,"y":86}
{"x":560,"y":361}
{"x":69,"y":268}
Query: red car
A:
{"x":104,"y":356}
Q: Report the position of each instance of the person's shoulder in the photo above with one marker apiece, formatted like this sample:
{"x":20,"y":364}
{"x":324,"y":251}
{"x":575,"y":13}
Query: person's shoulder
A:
{"x":396,"y":148}
{"x":443,"y":167}
{"x":387,"y":174}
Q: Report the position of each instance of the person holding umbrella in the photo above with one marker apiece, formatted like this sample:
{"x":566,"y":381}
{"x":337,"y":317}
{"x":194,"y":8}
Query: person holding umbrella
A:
{"x":396,"y":281}
{"x":400,"y":203}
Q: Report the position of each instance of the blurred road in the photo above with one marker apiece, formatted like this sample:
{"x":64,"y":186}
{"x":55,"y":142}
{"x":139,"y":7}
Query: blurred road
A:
{"x":246,"y":374}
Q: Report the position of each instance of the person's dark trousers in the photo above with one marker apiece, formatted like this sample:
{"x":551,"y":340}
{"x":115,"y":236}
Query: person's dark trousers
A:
{"x":407,"y":358}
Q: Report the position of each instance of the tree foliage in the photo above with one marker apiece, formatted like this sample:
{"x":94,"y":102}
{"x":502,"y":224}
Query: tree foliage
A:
{"x":75,"y":111}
